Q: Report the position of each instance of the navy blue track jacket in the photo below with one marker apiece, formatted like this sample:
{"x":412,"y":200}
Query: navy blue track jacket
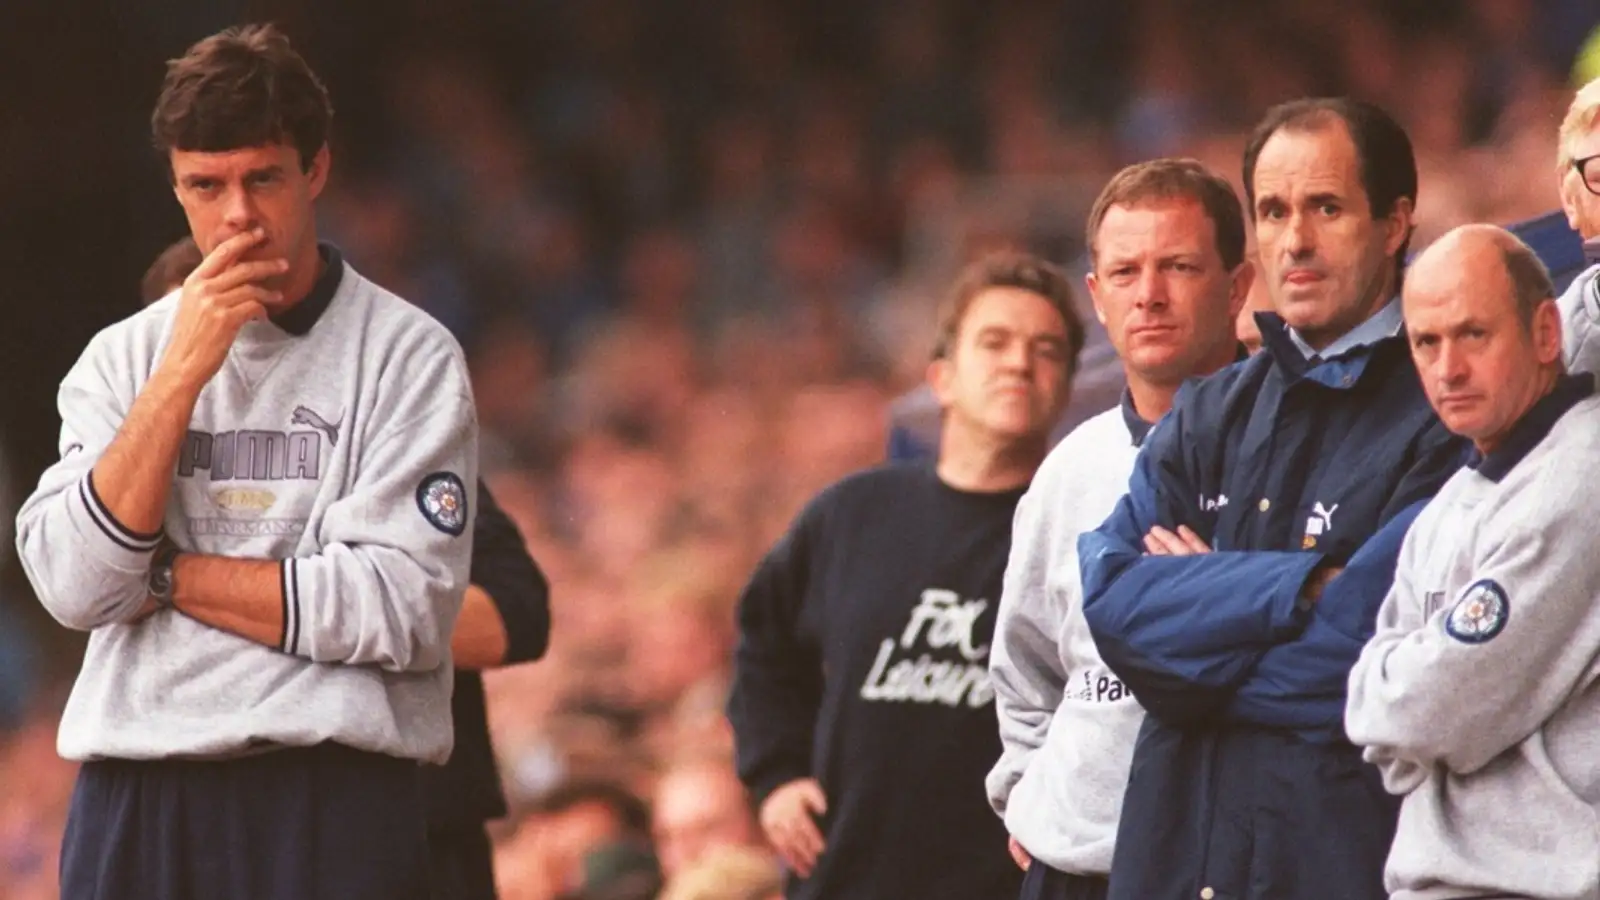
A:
{"x":1243,"y":782}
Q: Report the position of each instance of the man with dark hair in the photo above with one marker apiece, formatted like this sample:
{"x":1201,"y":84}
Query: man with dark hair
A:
{"x":261,"y":517}
{"x":1166,"y":240}
{"x":1476,"y":696}
{"x":504,"y":620}
{"x":1235,"y":583}
{"x":861,"y":703}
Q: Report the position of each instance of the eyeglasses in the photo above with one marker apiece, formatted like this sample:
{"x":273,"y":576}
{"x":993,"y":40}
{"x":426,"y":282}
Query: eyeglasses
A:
{"x":1590,"y":174}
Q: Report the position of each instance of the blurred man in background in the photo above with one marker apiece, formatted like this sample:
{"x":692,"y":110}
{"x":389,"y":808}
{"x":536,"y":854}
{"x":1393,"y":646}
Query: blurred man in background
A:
{"x":1167,"y":243}
{"x":861,"y":703}
{"x":1301,"y":468}
{"x":1259,"y":300}
{"x":699,"y":805}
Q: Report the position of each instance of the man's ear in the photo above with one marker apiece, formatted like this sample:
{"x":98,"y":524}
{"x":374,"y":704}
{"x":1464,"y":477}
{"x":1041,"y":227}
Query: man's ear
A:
{"x":1547,"y":343}
{"x":1401,"y":222}
{"x":1243,"y":278}
{"x":941,"y":372}
{"x":1092,"y":282}
{"x":317,"y":172}
{"x":1567,"y":187}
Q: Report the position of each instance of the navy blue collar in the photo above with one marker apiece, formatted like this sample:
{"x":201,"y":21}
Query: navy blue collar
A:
{"x":1533,"y":426}
{"x":297,"y":320}
{"x":1340,"y":373}
{"x":1386,"y":322}
{"x":1138,"y":428}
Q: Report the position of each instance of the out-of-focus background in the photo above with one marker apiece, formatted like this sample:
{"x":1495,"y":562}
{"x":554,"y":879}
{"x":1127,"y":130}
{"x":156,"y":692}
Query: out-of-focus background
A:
{"x":693,"y":249}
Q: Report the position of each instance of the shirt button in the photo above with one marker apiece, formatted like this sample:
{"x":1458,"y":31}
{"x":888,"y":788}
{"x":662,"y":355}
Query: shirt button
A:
{"x":1264,"y":505}
{"x":1208,"y":893}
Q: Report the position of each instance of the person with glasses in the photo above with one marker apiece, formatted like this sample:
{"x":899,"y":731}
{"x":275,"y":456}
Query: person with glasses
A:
{"x":1578,"y":171}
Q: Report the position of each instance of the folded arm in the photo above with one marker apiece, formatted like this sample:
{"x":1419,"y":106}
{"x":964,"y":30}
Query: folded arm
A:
{"x":1183,"y":631}
{"x":86,"y":535}
{"x":1501,"y":656}
{"x":1302,"y":683}
{"x":505,"y":615}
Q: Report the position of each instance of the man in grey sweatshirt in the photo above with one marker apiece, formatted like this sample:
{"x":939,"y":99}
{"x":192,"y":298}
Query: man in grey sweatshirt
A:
{"x":1169,"y":277}
{"x":1476,"y":695}
{"x":261,"y":517}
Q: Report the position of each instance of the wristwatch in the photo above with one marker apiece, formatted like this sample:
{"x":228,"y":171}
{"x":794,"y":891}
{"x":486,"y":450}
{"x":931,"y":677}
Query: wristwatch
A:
{"x":160,"y":581}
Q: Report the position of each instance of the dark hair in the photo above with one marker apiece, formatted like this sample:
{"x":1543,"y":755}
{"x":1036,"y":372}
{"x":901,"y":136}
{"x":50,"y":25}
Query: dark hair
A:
{"x":1383,"y":151}
{"x":631,"y":812}
{"x":1169,"y":179}
{"x":167,"y":273}
{"x":243,"y":87}
{"x":1010,"y":269}
{"x":1530,"y":279}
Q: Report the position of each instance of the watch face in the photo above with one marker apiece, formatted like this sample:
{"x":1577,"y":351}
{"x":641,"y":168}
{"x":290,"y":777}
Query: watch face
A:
{"x":161,"y":582}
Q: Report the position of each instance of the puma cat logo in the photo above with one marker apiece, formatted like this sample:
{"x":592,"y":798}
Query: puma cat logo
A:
{"x":305,"y":416}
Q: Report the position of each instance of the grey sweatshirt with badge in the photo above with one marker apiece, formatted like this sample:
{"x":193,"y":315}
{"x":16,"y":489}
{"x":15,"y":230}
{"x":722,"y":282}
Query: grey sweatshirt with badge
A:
{"x":346,"y":453}
{"x":1477,"y":697}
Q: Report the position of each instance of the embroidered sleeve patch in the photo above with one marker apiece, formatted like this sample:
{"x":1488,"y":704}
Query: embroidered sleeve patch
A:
{"x":443,"y":501}
{"x":1480,"y":614}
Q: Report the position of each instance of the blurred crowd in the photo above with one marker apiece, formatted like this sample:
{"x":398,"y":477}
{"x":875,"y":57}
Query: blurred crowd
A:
{"x":693,"y":273}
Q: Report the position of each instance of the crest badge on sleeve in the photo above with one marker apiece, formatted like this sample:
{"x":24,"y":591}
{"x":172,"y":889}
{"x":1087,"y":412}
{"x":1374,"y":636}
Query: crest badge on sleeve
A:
{"x":1480,"y":614}
{"x":443,"y":501}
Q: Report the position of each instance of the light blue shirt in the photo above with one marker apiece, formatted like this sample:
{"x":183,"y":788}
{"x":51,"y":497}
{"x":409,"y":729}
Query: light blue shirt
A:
{"x":1384,"y":323}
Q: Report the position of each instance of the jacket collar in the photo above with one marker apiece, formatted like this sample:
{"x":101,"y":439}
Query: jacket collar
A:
{"x":1532,"y":428}
{"x":1340,"y":372}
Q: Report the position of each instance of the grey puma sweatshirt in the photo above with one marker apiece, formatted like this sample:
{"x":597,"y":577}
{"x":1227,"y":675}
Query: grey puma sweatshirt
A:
{"x":343,"y":447}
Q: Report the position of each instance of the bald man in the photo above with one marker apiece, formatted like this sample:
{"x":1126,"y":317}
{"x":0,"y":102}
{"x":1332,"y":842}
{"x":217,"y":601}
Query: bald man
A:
{"x":1474,"y":697}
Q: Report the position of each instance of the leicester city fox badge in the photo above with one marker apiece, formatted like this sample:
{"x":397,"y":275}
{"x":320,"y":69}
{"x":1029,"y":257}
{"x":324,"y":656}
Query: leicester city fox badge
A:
{"x":443,"y":501}
{"x":1480,"y":614}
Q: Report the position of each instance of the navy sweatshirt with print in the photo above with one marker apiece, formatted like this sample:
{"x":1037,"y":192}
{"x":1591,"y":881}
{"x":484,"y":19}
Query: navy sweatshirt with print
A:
{"x":863,"y":662}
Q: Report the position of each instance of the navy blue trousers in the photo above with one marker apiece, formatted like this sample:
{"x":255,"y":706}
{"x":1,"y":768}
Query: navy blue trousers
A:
{"x":318,"y":823}
{"x":1044,"y":883}
{"x":463,"y":865}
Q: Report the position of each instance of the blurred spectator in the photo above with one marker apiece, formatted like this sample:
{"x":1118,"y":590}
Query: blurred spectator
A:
{"x":728,"y":873}
{"x":700,"y":807}
{"x":1258,"y":300}
{"x":546,"y":856}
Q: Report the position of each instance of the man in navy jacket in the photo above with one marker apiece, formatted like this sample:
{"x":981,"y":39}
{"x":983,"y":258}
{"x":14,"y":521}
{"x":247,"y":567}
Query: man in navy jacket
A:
{"x":1235,"y":584}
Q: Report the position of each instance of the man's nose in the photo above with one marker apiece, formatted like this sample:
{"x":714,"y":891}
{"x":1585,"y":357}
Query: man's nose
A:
{"x":239,"y":210}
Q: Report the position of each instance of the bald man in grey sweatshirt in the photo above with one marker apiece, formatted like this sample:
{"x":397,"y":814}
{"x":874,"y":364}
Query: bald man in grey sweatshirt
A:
{"x":1476,"y":696}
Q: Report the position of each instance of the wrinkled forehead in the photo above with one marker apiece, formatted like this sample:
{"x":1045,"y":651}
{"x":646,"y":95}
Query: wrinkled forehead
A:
{"x":1177,"y":224}
{"x":1310,"y":159}
{"x":1450,"y":290}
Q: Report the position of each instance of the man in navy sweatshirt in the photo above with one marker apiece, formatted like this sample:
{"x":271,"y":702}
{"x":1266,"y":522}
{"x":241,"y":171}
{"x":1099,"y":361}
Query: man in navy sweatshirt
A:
{"x":1235,"y":583}
{"x":861,"y":706}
